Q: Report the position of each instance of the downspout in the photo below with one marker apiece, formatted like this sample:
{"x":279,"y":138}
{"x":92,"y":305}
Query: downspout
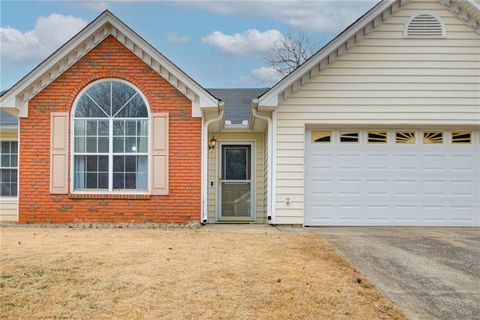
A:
{"x":18,"y":168}
{"x":205,"y":162}
{"x":269,"y":159}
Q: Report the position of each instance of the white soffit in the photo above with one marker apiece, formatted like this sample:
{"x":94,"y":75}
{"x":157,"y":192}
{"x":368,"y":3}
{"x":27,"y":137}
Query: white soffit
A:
{"x":356,"y":32}
{"x":103,"y":26}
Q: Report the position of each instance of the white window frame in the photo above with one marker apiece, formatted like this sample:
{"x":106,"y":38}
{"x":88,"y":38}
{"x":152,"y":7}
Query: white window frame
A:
{"x":13,"y":168}
{"x":110,"y":154}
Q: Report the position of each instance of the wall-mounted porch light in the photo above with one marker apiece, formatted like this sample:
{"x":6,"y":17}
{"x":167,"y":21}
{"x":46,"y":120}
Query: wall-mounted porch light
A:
{"x":212,"y":143}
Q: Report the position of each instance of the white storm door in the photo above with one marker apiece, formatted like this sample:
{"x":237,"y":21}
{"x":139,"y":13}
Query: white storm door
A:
{"x":236,"y":183}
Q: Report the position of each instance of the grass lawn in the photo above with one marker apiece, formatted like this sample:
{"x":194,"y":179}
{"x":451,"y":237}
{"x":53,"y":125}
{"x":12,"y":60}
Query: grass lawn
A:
{"x":179,"y":274}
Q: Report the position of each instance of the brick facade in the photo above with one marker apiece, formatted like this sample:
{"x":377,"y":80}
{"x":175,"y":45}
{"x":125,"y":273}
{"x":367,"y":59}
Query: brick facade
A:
{"x":110,"y":59}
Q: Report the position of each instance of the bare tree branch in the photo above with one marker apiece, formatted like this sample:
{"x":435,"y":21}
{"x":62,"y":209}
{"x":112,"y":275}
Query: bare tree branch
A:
{"x":290,"y":52}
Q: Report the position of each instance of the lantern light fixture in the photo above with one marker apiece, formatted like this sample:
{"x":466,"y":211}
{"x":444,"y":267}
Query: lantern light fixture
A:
{"x":212,"y":143}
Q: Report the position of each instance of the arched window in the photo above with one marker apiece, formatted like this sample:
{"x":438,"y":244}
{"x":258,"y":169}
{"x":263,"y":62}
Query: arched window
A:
{"x":425,"y":25}
{"x":110,"y":138}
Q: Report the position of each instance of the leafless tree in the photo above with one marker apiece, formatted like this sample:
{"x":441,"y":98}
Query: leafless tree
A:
{"x":290,"y":52}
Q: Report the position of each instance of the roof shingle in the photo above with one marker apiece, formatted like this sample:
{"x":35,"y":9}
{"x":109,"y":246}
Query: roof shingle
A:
{"x":7,"y":120}
{"x":237,"y":102}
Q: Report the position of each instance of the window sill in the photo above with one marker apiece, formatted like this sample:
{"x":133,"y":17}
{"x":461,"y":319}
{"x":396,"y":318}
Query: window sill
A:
{"x":122,"y":196}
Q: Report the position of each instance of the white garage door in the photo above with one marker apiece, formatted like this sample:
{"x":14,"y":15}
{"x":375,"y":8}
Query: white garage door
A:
{"x":392,"y":177}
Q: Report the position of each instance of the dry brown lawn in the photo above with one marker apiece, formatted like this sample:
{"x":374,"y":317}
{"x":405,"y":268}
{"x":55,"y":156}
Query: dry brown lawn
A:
{"x":179,"y":274}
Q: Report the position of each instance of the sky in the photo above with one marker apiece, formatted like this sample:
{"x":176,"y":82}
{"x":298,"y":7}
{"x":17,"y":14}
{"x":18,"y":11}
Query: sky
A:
{"x":220,"y":44}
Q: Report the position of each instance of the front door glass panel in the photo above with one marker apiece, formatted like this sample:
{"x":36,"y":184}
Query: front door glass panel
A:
{"x":236,"y":182}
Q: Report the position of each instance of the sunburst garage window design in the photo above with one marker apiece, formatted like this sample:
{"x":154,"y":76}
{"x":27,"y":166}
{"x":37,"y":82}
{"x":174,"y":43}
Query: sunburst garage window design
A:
{"x":405,"y":137}
{"x":110,"y":138}
{"x":433,"y":137}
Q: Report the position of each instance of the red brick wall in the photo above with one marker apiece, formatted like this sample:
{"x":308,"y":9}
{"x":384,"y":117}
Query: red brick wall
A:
{"x":110,"y":59}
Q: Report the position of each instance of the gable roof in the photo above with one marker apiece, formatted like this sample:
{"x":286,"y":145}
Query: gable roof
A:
{"x":104,"y":25}
{"x":467,"y":11}
{"x":237,"y":102}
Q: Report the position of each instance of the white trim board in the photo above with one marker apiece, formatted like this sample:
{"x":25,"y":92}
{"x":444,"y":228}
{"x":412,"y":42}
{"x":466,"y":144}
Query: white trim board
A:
{"x":104,"y":25}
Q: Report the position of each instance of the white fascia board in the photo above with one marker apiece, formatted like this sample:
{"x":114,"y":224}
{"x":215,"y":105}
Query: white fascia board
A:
{"x":270,"y":99}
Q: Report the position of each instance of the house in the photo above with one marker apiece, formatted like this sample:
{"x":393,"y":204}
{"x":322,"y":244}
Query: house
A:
{"x":379,"y":127}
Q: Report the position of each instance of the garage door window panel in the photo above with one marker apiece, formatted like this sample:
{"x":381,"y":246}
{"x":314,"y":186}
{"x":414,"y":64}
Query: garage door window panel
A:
{"x":349,"y":136}
{"x":433,"y":137}
{"x":377,"y":137}
{"x":405,"y":137}
{"x":461,"y":137}
{"x":321,"y":136}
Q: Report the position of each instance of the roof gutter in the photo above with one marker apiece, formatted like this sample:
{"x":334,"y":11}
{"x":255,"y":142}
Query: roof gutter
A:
{"x":205,"y":126}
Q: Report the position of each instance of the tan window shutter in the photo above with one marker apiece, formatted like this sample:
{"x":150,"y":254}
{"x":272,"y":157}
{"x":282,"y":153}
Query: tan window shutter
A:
{"x":159,"y":176}
{"x":59,"y":152}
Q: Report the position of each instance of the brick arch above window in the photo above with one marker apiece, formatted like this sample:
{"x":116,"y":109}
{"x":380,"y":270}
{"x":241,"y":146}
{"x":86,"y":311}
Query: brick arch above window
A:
{"x":87,"y":82}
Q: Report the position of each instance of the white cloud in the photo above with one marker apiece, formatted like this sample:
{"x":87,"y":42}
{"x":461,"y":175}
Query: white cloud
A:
{"x":250,"y":43}
{"x":264,"y":76}
{"x":48,"y":35}
{"x":177,"y":38}
{"x":300,"y":15}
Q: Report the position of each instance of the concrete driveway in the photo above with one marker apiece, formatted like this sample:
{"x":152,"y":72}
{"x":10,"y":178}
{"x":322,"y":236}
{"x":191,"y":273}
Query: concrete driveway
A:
{"x":430,"y":273}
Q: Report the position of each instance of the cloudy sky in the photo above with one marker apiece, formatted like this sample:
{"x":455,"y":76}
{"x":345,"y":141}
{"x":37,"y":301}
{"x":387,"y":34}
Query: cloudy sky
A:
{"x":219,"y":43}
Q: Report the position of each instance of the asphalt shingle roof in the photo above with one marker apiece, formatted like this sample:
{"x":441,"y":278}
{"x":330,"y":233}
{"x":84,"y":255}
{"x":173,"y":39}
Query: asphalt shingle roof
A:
{"x":7,"y":119}
{"x":237,"y":102}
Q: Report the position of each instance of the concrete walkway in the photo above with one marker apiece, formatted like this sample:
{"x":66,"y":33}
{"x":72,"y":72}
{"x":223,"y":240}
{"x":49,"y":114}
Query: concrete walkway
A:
{"x":243,"y":228}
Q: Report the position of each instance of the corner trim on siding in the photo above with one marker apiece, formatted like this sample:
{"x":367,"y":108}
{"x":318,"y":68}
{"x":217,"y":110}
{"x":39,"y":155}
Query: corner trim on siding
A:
{"x":269,"y":161}
{"x":274,"y":167}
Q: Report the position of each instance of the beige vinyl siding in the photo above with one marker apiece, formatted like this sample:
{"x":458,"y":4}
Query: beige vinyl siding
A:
{"x":260,"y":203}
{"x":8,"y":135}
{"x":386,"y":80}
{"x":8,"y":209}
{"x":8,"y":205}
